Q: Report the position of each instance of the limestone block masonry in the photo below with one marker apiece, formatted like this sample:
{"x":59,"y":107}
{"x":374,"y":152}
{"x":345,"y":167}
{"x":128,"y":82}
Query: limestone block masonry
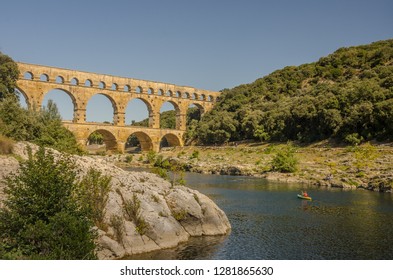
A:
{"x":35,"y":81}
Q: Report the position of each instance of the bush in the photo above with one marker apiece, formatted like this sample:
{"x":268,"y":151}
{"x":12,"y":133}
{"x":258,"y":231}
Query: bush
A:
{"x":285,"y":160}
{"x":195,"y":154}
{"x":6,"y":145}
{"x":91,"y":194}
{"x":151,"y":157}
{"x":133,"y":211}
{"x":129,"y":158}
{"x":40,"y":219}
{"x":353,"y":139}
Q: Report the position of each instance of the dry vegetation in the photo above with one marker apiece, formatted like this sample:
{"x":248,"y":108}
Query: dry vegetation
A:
{"x":348,"y":166}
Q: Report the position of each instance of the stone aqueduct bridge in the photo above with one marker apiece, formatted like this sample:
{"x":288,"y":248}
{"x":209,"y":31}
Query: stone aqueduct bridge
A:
{"x":37,"y":80}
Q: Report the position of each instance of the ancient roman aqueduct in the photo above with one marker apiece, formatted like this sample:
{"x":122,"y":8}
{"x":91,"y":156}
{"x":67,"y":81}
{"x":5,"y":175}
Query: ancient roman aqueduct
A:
{"x":37,"y":80}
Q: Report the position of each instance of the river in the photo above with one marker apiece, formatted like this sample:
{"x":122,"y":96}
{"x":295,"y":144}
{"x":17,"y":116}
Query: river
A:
{"x":270,"y":222}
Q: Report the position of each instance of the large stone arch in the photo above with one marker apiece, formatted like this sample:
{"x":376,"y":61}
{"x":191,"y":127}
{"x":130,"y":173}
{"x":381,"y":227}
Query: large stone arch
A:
{"x":109,"y":139}
{"x":72,"y":96}
{"x":29,"y":102}
{"x":180,"y":117}
{"x":172,"y":139}
{"x":149,"y":106}
{"x":112,"y":101}
{"x":199,"y":106}
{"x":144,"y":139}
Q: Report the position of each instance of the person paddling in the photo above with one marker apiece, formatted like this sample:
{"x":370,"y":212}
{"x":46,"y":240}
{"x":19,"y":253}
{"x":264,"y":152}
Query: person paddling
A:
{"x":304,"y":193}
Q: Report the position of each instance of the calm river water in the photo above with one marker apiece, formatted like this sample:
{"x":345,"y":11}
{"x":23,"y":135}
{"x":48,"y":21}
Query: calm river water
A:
{"x":270,"y":222}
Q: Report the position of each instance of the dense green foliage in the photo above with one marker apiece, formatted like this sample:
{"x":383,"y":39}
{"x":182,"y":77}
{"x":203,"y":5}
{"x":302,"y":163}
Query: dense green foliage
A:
{"x":96,"y":138}
{"x":347,"y":95}
{"x":9,"y":73}
{"x":40,"y":219}
{"x":42,"y":127}
{"x":285,"y":160}
{"x":167,"y":120}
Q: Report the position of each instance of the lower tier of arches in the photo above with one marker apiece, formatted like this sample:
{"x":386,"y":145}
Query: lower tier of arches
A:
{"x":115,"y":137}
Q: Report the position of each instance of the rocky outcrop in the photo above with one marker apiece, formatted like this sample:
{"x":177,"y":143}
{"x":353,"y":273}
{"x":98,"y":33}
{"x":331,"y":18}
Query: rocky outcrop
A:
{"x":167,"y":215}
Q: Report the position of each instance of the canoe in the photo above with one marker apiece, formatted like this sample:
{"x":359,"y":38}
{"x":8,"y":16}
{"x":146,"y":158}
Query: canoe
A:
{"x":304,"y":197}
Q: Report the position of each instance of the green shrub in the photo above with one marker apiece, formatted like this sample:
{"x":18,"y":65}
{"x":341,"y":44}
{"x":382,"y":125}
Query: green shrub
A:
{"x":118,"y":226}
{"x":132,"y":209}
{"x":129,"y":158}
{"x":195,"y":154}
{"x":180,"y":215}
{"x":163,"y":173}
{"x":40,"y":218}
{"x":353,"y":139}
{"x":365,"y":155}
{"x":285,"y":160}
{"x":91,"y":194}
{"x":151,"y":157}
{"x":6,"y":145}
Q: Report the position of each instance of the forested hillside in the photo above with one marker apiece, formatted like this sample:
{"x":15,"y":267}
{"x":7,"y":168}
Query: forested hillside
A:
{"x":347,"y":96}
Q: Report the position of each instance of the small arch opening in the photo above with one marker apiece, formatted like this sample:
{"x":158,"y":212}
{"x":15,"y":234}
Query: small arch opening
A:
{"x":150,"y":91}
{"x":28,"y":76}
{"x":102,"y":85}
{"x":74,"y":82}
{"x":114,"y":86}
{"x":59,"y":80}
{"x":44,"y":78}
{"x":88,"y":83}
{"x":127,"y":88}
{"x":138,"y":89}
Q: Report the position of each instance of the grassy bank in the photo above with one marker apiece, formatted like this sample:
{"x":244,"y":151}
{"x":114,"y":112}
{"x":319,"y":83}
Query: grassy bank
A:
{"x":365,"y":166}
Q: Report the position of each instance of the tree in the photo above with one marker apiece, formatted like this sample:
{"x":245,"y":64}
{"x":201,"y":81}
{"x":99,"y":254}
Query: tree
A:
{"x":96,"y":138}
{"x":9,"y":73}
{"x":40,"y":219}
{"x":42,"y":127}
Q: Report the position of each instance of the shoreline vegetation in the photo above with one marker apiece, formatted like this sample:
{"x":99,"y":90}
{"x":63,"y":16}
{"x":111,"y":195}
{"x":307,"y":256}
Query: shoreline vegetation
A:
{"x":366,"y":166}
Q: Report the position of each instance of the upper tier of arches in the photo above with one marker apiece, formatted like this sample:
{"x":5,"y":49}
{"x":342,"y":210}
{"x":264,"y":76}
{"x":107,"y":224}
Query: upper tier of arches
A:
{"x":113,"y":83}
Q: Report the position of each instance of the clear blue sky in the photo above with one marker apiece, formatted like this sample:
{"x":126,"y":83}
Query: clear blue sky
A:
{"x":209,"y":44}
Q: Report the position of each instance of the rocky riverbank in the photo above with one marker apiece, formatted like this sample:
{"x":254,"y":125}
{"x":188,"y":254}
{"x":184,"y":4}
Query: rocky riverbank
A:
{"x":170,"y":214}
{"x":364,"y":167}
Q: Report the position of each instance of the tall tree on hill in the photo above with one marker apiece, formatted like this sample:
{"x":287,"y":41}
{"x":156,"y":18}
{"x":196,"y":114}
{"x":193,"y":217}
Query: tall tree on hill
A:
{"x":9,"y":73}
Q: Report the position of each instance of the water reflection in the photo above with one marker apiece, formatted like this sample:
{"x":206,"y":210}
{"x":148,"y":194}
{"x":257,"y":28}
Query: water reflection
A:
{"x":197,"y":248}
{"x":270,"y":222}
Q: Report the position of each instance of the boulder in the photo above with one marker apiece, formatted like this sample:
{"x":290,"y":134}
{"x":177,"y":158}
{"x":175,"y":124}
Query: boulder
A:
{"x":166,"y":217}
